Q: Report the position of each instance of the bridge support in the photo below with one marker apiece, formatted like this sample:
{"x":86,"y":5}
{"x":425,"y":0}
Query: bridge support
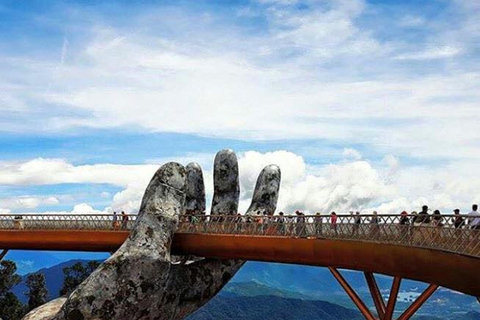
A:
{"x":352,"y":294}
{"x":376,"y":295}
{"x":392,"y":298}
{"x":384,"y":312}
{"x":3,"y":254}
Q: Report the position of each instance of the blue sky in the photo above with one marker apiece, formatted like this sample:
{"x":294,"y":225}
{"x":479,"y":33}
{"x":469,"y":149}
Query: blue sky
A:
{"x":364,"y":104}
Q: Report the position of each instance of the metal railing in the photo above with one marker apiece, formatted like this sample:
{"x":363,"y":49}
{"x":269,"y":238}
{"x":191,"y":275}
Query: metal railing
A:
{"x":446,"y":232}
{"x":66,"y":222}
{"x":424,"y":231}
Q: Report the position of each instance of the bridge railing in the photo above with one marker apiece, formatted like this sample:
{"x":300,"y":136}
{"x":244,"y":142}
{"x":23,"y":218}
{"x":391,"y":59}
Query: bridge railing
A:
{"x":424,"y":232}
{"x":444,"y":233}
{"x":66,"y":222}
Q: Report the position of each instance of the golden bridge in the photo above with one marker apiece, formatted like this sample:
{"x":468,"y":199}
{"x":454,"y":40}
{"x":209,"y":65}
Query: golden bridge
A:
{"x":434,"y":253}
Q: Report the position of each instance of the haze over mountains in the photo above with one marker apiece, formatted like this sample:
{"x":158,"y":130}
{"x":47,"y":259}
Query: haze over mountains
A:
{"x":280,"y":291}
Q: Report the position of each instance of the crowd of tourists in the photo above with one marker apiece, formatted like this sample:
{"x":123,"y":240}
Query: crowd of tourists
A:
{"x":458,"y":221}
{"x":261,"y":220}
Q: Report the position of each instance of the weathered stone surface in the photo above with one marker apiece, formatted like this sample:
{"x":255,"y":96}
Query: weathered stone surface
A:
{"x":131,"y":283}
{"x":195,"y":189}
{"x":140,"y":280}
{"x":226,"y":186}
{"x":265,"y":196}
{"x":47,"y":311}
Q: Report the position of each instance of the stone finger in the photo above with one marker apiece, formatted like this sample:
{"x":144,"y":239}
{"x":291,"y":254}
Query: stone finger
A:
{"x":265,"y":196}
{"x":226,"y":183}
{"x":194,"y":190}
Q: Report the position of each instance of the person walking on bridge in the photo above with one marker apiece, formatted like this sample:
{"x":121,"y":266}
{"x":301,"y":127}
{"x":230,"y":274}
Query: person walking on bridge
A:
{"x":281,"y":223}
{"x":318,"y":224}
{"x":300,"y":224}
{"x":115,"y":221}
{"x":356,"y":223}
{"x":405,"y":223}
{"x":124,"y":220}
{"x":458,"y":222}
{"x":404,"y":218}
{"x":437,"y":218}
{"x":422,"y":217}
{"x":474,"y":218}
{"x":333,"y":222}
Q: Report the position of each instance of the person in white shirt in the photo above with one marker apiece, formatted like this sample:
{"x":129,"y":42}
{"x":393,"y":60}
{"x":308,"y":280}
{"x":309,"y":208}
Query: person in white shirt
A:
{"x":474,"y":217}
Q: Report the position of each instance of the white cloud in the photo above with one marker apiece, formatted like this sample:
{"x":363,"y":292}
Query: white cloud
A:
{"x":388,"y":187}
{"x":55,"y":171}
{"x":433,"y":53}
{"x":310,"y":70}
{"x":27,"y":202}
{"x":81,"y":208}
{"x":349,"y":153}
{"x":311,"y":73}
{"x":339,"y":187}
{"x":128,"y":199}
{"x":84,"y":208}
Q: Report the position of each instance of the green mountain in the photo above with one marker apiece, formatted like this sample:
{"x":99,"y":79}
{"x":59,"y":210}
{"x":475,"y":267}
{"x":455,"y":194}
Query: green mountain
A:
{"x":271,"y":307}
{"x":254,"y":289}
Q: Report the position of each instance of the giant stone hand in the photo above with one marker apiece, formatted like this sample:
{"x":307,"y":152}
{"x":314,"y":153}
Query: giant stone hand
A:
{"x":141,"y":280}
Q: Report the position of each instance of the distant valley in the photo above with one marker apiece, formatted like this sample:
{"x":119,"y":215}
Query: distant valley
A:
{"x":279,"y":291}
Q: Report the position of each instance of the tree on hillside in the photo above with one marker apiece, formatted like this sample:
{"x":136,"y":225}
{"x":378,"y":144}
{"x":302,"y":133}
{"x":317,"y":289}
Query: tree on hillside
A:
{"x":37,"y":290}
{"x":75,"y":275}
{"x":10,"y":307}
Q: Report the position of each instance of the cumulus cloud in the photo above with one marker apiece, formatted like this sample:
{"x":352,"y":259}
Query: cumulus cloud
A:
{"x":339,"y":187}
{"x":386,"y":186}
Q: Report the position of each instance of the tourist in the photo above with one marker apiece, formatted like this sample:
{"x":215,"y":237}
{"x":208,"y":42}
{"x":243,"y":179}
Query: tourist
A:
{"x":258,"y":222}
{"x":248,"y":224}
{"x":281,"y":223}
{"x":422,"y":217}
{"x":115,"y":221}
{"x":404,"y":218}
{"x":194,"y":217}
{"x":18,"y":222}
{"x":458,"y":222}
{"x":374,"y":218}
{"x":300,"y":224}
{"x":291,"y":224}
{"x":414,"y":215}
{"x":437,"y":218}
{"x":124,"y":221}
{"x":374,"y":224}
{"x":357,"y":221}
{"x":318,"y":223}
{"x":474,"y":218}
{"x":333,"y":222}
{"x":238,"y":222}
